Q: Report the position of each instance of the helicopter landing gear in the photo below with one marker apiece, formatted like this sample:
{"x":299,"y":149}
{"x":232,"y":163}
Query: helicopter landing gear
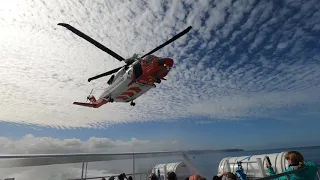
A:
{"x":111,"y":100}
{"x":132,"y":103}
{"x":158,"y":80}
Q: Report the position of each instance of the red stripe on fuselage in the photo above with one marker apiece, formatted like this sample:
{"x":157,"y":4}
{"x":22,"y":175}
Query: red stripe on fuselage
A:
{"x":122,"y":97}
{"x":136,"y":89}
{"x":127,"y":93}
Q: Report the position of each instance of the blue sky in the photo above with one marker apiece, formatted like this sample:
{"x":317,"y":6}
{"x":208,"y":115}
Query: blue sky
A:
{"x":246,"y":76}
{"x":254,"y":134}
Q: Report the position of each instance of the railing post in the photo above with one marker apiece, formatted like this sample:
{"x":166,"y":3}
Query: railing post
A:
{"x":85,"y":174}
{"x":133,"y":167}
{"x":82,"y":169}
{"x":260,"y":164}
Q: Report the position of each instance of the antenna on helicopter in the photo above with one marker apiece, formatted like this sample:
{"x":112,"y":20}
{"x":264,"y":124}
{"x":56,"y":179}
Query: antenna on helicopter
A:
{"x":88,"y":97}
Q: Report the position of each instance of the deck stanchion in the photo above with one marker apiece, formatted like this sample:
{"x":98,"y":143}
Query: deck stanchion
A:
{"x":133,"y":167}
{"x":85,"y":174}
{"x":82,"y":170}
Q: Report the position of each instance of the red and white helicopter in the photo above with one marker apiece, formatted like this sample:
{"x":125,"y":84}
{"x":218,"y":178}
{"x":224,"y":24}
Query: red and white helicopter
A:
{"x":130,"y":81}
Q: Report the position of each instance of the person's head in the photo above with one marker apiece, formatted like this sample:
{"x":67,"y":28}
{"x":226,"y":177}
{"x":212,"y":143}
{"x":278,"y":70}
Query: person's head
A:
{"x":153,"y":176}
{"x":196,"y":177}
{"x":130,"y":178}
{"x":229,"y":176}
{"x":121,"y":177}
{"x":171,"y":176}
{"x":216,"y":178}
{"x":294,"y":158}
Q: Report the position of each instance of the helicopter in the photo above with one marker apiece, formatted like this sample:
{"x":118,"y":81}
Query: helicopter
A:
{"x":130,"y":81}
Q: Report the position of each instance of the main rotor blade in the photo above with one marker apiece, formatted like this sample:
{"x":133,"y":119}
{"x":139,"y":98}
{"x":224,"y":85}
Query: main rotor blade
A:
{"x":92,"y":41}
{"x":105,"y":74}
{"x":169,"y":41}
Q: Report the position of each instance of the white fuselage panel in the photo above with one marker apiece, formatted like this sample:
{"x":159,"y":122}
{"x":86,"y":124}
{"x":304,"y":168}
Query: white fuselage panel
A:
{"x":123,"y":89}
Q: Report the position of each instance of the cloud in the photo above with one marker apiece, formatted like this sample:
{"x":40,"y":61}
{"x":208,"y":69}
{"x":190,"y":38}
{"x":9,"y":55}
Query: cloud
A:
{"x":30,"y":144}
{"x":242,"y":59}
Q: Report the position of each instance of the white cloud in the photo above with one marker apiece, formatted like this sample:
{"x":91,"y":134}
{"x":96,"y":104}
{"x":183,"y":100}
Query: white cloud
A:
{"x":220,"y":68}
{"x":30,"y":144}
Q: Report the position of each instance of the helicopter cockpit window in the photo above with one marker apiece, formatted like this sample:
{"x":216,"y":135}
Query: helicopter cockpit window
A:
{"x":149,"y":59}
{"x":137,"y":70}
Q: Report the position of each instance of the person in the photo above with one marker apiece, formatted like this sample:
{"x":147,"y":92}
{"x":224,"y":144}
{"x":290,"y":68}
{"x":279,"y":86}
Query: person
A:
{"x":171,"y":176}
{"x":296,"y":161}
{"x":196,"y":177}
{"x":130,"y":178}
{"x":122,"y":176}
{"x":240,"y":172}
{"x":153,"y":176}
{"x":216,"y":177}
{"x":225,"y":176}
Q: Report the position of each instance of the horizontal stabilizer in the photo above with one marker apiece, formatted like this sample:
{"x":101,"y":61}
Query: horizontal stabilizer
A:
{"x":85,"y":104}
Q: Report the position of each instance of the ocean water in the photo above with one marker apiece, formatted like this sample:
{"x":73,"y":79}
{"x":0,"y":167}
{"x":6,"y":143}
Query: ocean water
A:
{"x":208,"y":164}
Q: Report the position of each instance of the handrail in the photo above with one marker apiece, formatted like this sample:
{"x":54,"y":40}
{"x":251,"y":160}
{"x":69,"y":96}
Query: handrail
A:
{"x":23,"y":160}
{"x":208,"y":151}
{"x":283,"y":174}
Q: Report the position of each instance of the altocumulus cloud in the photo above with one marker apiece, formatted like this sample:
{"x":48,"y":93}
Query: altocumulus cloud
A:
{"x":243,"y":59}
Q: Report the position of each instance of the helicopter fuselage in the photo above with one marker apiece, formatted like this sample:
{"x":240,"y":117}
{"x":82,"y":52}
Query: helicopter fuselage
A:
{"x":131,"y":82}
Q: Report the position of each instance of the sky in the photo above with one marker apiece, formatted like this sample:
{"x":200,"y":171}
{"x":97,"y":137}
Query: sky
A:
{"x":246,"y":76}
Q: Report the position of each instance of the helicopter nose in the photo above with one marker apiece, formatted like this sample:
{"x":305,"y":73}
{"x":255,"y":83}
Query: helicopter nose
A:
{"x":167,"y":62}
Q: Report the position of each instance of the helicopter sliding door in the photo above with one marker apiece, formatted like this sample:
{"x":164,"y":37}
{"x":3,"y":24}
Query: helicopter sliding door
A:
{"x":137,"y":70}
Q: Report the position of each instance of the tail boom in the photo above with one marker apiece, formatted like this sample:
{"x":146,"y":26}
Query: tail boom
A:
{"x":95,"y":104}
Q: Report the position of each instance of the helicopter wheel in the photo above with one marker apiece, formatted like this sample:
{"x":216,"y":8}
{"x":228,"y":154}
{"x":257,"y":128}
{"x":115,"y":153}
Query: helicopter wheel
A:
{"x":132,"y":103}
{"x":111,"y":100}
{"x":158,"y":80}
